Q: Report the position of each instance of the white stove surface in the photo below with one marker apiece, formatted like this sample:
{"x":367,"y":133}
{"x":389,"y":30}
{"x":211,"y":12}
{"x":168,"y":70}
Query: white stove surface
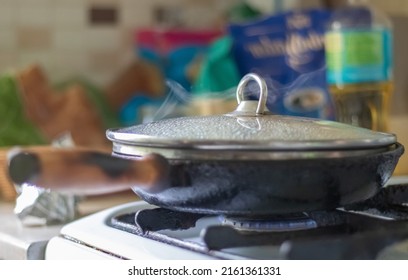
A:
{"x":93,"y":238}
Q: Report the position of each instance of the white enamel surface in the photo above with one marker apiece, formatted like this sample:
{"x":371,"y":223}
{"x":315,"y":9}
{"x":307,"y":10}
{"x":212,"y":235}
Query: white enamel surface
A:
{"x":99,"y":241}
{"x":94,"y":232}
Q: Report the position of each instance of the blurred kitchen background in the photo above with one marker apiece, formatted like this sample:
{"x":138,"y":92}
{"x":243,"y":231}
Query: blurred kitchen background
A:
{"x":72,"y":68}
{"x":96,"y":38}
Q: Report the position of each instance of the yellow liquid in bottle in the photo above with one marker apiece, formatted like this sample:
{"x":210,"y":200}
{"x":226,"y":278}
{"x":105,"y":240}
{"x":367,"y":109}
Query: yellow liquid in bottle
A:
{"x":363,"y":104}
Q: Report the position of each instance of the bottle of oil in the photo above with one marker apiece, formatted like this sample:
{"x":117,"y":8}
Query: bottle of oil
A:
{"x":358,"y":45}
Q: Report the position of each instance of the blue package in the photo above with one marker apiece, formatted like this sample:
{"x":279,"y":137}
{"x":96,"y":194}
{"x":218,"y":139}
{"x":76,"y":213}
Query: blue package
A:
{"x":287,"y":50}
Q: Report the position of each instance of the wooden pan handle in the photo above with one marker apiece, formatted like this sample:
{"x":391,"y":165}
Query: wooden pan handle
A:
{"x":84,"y":172}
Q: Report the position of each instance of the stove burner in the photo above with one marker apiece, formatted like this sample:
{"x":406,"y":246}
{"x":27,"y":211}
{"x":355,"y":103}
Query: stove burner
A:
{"x":159,"y":218}
{"x":359,"y":231}
{"x":273,"y":224}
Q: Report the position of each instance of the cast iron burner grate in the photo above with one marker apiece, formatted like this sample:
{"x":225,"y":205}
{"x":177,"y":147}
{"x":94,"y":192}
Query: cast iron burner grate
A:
{"x":358,"y":231}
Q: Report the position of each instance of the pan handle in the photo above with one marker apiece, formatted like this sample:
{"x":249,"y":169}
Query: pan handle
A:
{"x":85,"y":172}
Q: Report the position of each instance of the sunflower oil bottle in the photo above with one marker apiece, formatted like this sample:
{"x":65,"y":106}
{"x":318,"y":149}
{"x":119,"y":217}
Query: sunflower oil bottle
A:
{"x":358,"y":45}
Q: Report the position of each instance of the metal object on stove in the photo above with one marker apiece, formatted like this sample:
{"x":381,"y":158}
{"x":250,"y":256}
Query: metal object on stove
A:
{"x":36,"y":206}
{"x":249,"y":154}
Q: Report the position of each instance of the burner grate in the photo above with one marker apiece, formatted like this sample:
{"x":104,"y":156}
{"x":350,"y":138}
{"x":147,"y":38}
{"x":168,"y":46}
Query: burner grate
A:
{"x":271,"y":224}
{"x":359,"y":231}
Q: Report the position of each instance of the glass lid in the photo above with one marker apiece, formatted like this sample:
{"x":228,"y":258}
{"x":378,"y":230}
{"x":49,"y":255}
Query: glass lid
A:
{"x":250,"y":127}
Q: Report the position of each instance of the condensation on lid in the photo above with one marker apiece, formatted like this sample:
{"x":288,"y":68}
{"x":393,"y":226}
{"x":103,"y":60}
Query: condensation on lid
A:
{"x":264,"y":132}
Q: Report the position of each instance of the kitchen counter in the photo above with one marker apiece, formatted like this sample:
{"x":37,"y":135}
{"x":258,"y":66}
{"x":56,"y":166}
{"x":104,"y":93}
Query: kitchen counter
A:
{"x":20,"y":242}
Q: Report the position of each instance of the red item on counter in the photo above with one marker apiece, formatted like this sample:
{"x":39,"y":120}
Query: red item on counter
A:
{"x":165,"y":40}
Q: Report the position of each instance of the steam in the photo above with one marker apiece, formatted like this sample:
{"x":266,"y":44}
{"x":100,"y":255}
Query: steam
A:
{"x":178,"y":99}
{"x":275,"y":89}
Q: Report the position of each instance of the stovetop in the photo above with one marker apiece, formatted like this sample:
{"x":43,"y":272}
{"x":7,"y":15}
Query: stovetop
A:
{"x":376,"y":228}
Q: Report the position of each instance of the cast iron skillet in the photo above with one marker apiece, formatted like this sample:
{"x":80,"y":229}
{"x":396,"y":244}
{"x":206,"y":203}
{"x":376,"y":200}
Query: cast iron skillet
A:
{"x":259,"y":187}
{"x":275,"y":186}
{"x":228,"y":176}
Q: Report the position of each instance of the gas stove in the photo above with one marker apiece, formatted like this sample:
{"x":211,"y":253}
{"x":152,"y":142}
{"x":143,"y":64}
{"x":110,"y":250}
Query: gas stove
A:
{"x":374,"y":229}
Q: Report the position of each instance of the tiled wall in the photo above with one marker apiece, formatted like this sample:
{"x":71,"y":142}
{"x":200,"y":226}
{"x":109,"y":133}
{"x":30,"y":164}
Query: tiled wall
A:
{"x":60,"y":35}
{"x":392,"y":7}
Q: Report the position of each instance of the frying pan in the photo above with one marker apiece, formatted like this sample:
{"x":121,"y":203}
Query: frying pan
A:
{"x":248,"y":162}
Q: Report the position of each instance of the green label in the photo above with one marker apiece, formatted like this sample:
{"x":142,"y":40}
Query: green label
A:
{"x":363,"y":48}
{"x":358,"y":55}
